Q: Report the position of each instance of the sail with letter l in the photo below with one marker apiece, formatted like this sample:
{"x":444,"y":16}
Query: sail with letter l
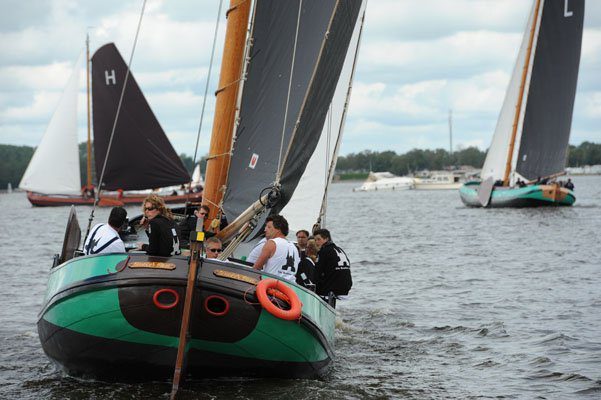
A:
{"x":296,"y":58}
{"x":548,"y":111}
{"x":141,"y":156}
{"x":543,"y":83}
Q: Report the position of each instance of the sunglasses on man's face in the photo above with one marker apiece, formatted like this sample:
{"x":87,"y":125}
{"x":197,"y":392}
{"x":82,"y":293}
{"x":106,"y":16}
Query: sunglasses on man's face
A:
{"x":149,"y":208}
{"x":215,"y":250}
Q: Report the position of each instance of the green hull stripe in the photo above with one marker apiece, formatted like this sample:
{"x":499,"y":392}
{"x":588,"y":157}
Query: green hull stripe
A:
{"x":516,"y":193}
{"x":97,"y":313}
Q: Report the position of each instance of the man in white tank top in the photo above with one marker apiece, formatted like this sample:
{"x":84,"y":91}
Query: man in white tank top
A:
{"x":279,"y":256}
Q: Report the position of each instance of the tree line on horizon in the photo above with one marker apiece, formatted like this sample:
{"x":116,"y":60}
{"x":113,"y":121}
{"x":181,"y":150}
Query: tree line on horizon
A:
{"x":14,"y":160}
{"x":586,"y":153}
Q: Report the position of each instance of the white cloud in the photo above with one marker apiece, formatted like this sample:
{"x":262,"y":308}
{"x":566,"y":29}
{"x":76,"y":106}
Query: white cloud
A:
{"x":418,"y":60}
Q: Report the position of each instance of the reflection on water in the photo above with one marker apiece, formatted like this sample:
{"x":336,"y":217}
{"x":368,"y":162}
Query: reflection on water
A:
{"x":448,"y":302}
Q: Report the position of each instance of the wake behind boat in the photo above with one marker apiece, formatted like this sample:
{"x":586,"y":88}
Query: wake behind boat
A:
{"x":531,"y":139}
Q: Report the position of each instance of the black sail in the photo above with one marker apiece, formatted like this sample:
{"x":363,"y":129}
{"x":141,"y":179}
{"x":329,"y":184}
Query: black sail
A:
{"x":548,"y":115}
{"x":141,"y":156}
{"x":259,"y":147}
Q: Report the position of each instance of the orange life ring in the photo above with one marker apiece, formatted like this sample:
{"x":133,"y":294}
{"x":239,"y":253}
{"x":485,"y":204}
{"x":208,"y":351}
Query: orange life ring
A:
{"x":282,"y":291}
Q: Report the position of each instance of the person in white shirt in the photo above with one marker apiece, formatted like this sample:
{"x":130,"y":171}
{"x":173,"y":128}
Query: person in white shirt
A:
{"x":256,"y":251}
{"x":104,"y":238}
{"x":278,"y":256}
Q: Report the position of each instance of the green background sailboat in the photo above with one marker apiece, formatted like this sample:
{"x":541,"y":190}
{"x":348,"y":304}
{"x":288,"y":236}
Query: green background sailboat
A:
{"x":531,"y":139}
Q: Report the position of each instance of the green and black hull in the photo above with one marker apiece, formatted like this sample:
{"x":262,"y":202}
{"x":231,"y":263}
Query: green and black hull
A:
{"x":527,"y":196}
{"x":102,"y":317}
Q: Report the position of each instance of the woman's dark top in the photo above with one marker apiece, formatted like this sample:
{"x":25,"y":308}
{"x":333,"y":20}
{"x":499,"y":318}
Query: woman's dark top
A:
{"x":306,"y":271}
{"x":162,"y":237}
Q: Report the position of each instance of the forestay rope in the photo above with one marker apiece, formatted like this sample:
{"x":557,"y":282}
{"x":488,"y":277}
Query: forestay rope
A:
{"x":332,"y":164}
{"x":108,"y":150}
{"x":204,"y":100}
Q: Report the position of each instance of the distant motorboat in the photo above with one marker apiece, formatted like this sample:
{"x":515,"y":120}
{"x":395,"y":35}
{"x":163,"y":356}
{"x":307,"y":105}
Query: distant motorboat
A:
{"x":440,"y":181}
{"x":385,"y":181}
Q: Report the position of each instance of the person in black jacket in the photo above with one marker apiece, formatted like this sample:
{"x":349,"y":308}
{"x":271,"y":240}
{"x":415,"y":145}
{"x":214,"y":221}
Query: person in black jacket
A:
{"x":160,"y":228}
{"x":189,"y":225}
{"x":333,"y":268}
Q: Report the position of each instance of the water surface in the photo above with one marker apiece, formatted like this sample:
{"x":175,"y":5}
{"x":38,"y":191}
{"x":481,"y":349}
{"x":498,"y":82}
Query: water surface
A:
{"x":448,"y":302}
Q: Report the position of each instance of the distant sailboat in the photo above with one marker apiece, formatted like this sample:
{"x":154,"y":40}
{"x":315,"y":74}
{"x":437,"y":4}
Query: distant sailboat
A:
{"x":531,"y":138}
{"x":141,"y":157}
{"x":197,"y":177}
{"x":9,"y":188}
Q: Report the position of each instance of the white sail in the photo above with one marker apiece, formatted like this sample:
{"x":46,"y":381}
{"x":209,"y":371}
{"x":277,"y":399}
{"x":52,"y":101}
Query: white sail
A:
{"x":518,"y":136}
{"x":496,"y":158}
{"x":304,"y":207}
{"x":197,"y":176}
{"x":54,"y":167}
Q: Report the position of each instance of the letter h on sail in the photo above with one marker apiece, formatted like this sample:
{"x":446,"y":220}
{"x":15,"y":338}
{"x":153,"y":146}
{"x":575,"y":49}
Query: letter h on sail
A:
{"x":110,"y":78}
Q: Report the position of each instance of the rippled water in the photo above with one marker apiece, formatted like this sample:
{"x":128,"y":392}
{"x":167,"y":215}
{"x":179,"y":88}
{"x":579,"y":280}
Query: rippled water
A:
{"x":448,"y":303}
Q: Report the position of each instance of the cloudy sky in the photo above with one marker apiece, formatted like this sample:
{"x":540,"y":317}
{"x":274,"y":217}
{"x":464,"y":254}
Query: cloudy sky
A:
{"x":418,"y":60}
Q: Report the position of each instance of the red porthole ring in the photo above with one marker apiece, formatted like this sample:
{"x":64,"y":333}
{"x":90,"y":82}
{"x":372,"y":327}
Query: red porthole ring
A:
{"x":165,"y":306}
{"x":217,"y":305}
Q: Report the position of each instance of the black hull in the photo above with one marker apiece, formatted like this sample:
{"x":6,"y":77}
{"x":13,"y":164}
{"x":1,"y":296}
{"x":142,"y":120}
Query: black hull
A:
{"x":109,"y":326}
{"x":113,"y":360}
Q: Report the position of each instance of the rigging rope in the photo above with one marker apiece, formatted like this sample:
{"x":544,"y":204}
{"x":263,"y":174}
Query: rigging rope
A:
{"x":330,"y":172}
{"x":279,"y":173}
{"x":108,"y":150}
{"x":204,"y":100}
{"x":322,"y":216}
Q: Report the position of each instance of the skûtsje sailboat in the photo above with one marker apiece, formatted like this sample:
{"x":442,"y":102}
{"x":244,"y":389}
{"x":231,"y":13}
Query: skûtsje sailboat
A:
{"x":530,"y":143}
{"x":53,"y":175}
{"x":279,"y":116}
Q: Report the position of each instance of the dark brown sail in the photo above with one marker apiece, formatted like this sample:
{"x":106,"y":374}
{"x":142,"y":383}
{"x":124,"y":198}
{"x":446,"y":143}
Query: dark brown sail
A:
{"x":141,"y":156}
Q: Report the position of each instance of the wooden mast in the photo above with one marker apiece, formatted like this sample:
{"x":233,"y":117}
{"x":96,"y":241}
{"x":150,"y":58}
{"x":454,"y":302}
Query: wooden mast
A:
{"x":518,"y":107}
{"x":89,"y":159}
{"x":232,"y":63}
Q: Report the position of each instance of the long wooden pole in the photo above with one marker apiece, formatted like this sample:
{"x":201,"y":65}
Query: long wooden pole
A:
{"x":195,"y":247}
{"x":89,"y":159}
{"x":518,"y":107}
{"x":225,"y":107}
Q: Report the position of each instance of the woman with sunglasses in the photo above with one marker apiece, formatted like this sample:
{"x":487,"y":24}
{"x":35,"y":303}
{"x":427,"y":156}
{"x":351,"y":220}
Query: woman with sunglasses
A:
{"x":160,"y":228}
